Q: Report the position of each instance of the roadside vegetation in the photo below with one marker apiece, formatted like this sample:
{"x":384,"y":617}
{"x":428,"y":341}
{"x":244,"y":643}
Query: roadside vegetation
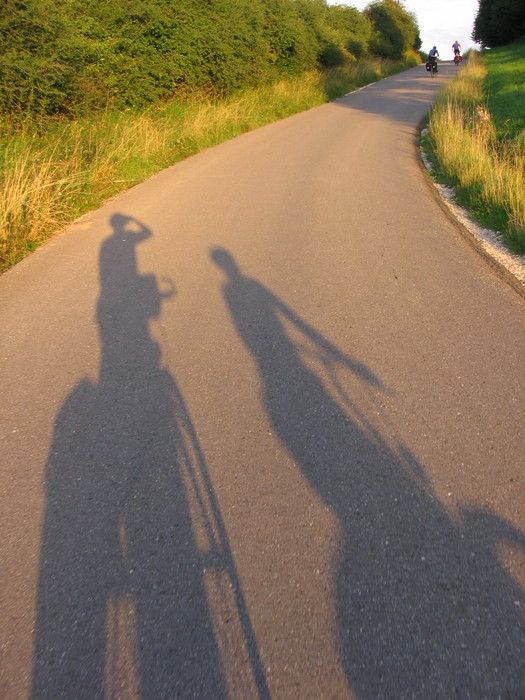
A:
{"x":95,"y":97}
{"x":54,"y":170}
{"x":476,"y":140}
{"x":499,"y":22}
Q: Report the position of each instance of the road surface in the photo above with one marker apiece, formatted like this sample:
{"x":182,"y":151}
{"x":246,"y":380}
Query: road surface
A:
{"x":262,"y":431}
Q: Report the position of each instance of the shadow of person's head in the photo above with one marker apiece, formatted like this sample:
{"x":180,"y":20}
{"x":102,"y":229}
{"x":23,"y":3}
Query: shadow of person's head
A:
{"x":130,"y":227}
{"x":223,"y":259}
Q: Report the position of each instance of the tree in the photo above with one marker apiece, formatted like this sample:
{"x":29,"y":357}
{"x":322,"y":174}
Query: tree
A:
{"x":395,"y":30}
{"x":70,"y":57}
{"x":32,"y":75}
{"x":499,"y":22}
{"x":290,"y":30}
{"x":352,"y":29}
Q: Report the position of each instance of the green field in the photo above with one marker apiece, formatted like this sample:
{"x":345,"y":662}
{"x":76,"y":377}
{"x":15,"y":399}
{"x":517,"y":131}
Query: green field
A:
{"x":505,"y":89}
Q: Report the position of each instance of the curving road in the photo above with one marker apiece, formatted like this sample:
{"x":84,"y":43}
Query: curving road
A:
{"x":262,"y":431}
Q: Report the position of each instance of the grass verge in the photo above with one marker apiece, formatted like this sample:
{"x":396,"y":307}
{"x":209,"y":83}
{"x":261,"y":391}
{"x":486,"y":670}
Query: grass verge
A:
{"x":478,"y":150}
{"x":52,"y":172}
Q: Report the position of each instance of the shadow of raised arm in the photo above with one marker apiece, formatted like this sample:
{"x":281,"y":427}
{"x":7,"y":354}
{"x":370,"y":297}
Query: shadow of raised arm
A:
{"x":330,"y":353}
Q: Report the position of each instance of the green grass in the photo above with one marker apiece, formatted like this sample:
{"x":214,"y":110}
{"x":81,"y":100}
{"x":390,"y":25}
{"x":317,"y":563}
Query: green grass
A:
{"x":52,"y":171}
{"x":477,"y":143}
{"x":505,"y":88}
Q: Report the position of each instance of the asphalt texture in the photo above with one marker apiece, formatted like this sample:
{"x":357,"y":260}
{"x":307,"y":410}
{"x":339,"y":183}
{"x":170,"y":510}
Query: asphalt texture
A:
{"x":262,"y":431}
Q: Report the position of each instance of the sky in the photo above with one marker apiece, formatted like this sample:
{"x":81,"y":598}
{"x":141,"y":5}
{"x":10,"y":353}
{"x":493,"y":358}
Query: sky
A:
{"x":440,"y":22}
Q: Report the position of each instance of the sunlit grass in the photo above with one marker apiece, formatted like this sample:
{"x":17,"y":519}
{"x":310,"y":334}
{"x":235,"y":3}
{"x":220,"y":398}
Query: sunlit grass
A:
{"x":487,"y":172}
{"x":51,"y":172}
{"x":505,"y":88}
{"x":35,"y":197}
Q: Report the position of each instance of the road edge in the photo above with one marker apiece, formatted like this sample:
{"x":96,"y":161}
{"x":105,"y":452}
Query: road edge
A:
{"x":489,"y":243}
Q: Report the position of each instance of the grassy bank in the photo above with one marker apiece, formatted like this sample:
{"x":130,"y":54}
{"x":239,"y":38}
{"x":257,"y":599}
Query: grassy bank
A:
{"x":476,"y":140}
{"x":53,"y":171}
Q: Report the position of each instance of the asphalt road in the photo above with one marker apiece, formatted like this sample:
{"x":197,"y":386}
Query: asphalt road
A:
{"x":262,"y":431}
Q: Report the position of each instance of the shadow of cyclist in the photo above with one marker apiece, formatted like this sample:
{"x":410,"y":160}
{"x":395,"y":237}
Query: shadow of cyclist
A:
{"x":122,"y":607}
{"x":425,"y":608}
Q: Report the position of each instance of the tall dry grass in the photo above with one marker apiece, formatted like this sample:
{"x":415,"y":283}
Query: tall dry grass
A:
{"x":49,"y":176}
{"x":489,"y":174}
{"x":34,"y":195}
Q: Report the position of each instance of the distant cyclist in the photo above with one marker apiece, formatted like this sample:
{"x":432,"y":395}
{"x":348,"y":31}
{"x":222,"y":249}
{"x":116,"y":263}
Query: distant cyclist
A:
{"x":456,"y":48}
{"x":433,"y":56}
